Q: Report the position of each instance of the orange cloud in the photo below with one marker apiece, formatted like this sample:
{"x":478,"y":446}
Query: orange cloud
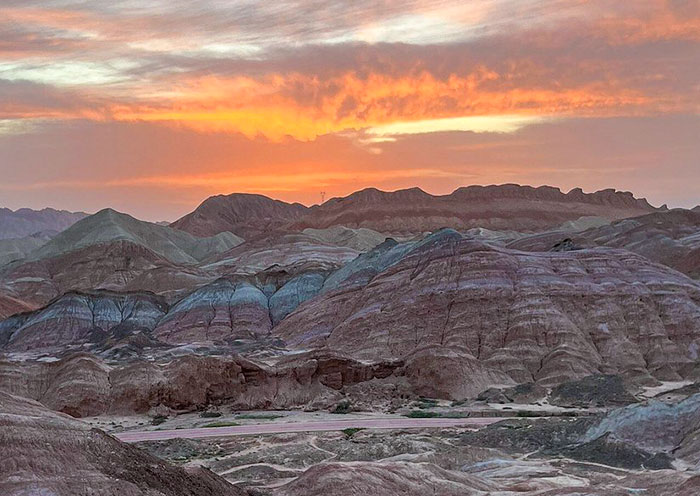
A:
{"x":305,"y":107}
{"x":554,"y":67}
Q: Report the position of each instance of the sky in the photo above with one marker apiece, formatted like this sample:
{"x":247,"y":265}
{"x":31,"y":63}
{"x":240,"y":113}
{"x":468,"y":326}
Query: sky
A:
{"x":150,"y":106}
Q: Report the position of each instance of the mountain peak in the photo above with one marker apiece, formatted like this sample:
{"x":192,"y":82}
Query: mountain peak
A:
{"x":243,"y":214}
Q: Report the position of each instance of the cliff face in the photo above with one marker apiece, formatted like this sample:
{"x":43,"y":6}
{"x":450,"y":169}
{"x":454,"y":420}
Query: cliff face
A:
{"x":83,"y":385}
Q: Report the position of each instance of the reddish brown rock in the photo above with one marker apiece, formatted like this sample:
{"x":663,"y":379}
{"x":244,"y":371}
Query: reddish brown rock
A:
{"x":84,"y":385}
{"x":10,"y":306}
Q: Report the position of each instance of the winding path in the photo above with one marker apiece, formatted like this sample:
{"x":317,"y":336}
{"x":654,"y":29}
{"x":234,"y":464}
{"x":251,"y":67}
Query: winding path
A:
{"x":311,"y":426}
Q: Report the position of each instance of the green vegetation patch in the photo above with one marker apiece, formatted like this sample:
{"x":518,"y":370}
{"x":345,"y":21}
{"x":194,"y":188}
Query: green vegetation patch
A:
{"x":352,"y":431}
{"x":257,"y":416}
{"x":421,"y":414}
{"x":159,"y":419}
{"x":425,"y":403}
{"x":221,"y":424}
{"x":342,"y":408}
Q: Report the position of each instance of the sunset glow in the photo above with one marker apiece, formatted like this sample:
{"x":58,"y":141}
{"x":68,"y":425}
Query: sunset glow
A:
{"x":151,"y":106}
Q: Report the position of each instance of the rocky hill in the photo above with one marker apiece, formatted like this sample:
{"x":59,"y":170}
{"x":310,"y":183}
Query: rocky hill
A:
{"x":113,"y":251}
{"x":412,"y":211}
{"x":533,"y":316}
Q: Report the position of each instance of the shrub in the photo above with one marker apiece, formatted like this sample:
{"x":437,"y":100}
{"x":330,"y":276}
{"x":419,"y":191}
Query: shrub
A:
{"x":221,"y":424}
{"x":342,"y":407}
{"x":527,"y":413}
{"x":159,"y":419}
{"x":421,"y":414}
{"x":258,"y":416}
{"x":351,"y":431}
{"x":424,"y":403}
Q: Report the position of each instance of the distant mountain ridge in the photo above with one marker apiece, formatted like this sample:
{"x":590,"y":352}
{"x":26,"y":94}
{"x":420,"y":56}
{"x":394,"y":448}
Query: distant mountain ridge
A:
{"x":413,"y":211}
{"x":108,"y":226}
{"x":25,"y":221}
{"x":503,"y":207}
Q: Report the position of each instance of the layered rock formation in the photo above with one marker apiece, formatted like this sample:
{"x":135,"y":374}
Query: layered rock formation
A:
{"x":84,"y":385}
{"x":242,"y":214}
{"x":77,"y":318}
{"x":114,"y":251}
{"x":221,"y":311}
{"x":497,"y":476}
{"x":292,"y":254}
{"x":44,"y":452}
{"x":671,"y":238}
{"x":486,"y":315}
{"x":394,"y":478}
{"x":411,"y":211}
{"x":116,"y":266}
{"x":358,"y":239}
{"x":25,"y":221}
{"x":504,"y":207}
{"x":543,"y":317}
{"x":10,"y":306}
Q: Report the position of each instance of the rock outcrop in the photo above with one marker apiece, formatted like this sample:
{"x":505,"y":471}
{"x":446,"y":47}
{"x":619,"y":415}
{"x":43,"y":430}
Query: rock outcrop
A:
{"x":116,"y":266}
{"x":114,"y":251}
{"x":392,"y":478}
{"x":45,"y":452}
{"x":10,"y":305}
{"x":655,"y":426}
{"x":84,"y":385}
{"x":592,"y":391}
{"x":358,"y":239}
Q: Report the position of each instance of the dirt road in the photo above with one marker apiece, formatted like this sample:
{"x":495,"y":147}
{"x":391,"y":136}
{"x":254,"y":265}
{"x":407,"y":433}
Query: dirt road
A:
{"x":313,"y":426}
